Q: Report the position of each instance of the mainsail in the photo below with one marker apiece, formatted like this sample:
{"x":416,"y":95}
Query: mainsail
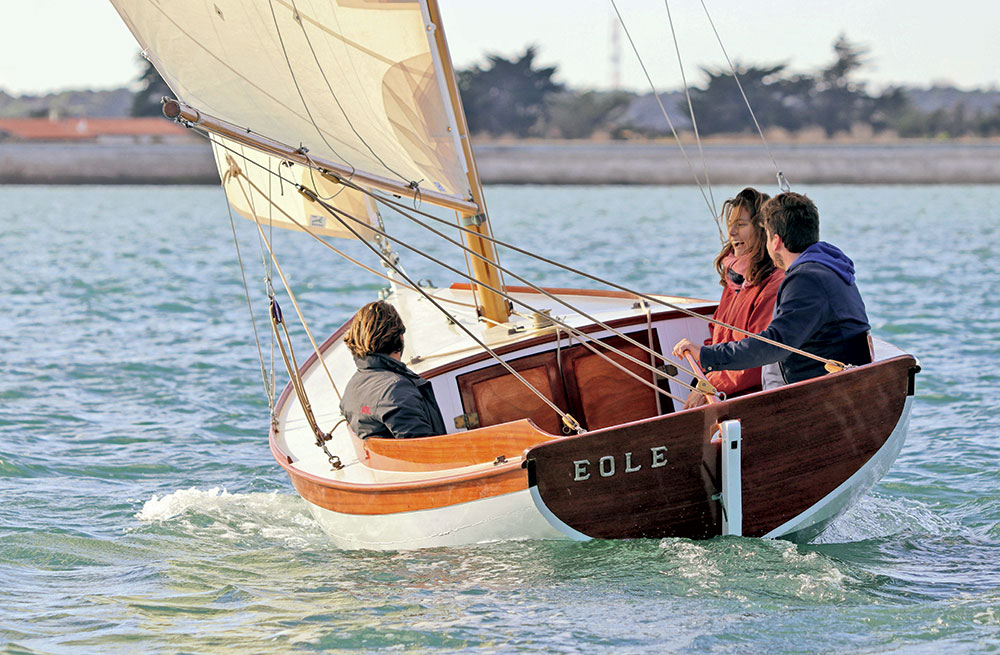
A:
{"x":358,"y":82}
{"x":364,"y":85}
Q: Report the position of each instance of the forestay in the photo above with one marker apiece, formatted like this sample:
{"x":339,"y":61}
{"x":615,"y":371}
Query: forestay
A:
{"x":355,"y":81}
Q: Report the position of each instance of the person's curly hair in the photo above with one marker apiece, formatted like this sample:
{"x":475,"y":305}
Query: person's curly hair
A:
{"x":376,"y":328}
{"x":760,"y":265}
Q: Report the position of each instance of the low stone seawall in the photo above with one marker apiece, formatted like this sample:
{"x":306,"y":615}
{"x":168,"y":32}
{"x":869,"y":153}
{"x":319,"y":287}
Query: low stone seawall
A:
{"x":550,"y":163}
{"x":99,"y":163}
{"x":741,"y":164}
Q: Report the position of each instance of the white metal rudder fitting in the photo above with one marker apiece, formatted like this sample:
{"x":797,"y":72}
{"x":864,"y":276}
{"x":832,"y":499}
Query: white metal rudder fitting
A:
{"x":731,"y":434}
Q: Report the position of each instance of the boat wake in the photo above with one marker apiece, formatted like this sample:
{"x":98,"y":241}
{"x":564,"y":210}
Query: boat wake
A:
{"x":876,"y":516}
{"x":282,"y":518}
{"x":285,"y":519}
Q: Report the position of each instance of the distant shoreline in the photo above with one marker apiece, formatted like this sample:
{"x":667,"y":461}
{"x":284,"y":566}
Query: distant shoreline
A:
{"x":555,"y":162}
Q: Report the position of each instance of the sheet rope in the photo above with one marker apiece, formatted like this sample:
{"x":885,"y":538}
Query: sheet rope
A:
{"x":235,"y":171}
{"x":341,"y":216}
{"x":405,"y":211}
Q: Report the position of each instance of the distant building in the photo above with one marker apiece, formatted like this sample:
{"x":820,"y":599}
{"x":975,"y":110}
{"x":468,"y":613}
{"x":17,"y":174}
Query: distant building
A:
{"x":94,"y":130}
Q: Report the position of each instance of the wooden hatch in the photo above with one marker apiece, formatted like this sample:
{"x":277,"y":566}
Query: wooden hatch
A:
{"x":575,"y":379}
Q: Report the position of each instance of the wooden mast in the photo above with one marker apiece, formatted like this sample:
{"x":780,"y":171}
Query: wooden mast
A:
{"x":492,"y":306}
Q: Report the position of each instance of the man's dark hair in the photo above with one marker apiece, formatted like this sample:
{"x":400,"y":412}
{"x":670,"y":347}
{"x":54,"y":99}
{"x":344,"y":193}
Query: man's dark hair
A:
{"x":376,"y":328}
{"x":794,"y":218}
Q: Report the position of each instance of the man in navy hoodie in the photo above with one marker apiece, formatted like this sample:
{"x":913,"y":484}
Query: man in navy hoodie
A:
{"x":818,"y":309}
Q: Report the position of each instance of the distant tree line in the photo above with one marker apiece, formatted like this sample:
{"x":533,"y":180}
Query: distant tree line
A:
{"x":152,"y":89}
{"x":518,"y":98}
{"x":515,"y":97}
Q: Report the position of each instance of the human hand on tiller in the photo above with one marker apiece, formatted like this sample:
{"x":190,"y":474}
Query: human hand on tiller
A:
{"x":685,"y":346}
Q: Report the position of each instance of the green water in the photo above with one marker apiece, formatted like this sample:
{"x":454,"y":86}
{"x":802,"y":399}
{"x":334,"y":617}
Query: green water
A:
{"x":141,"y":511}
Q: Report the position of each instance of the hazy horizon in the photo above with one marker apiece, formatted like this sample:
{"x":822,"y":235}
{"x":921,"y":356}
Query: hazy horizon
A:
{"x":909,"y":43}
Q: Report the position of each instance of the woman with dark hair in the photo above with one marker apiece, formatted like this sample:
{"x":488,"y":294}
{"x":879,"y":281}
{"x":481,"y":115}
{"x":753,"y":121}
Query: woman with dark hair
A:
{"x":385,"y":398}
{"x":750,"y":284}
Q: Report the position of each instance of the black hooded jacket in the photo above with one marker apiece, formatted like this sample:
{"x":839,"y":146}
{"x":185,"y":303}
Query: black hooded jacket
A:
{"x":818,"y":310}
{"x":386,"y":399}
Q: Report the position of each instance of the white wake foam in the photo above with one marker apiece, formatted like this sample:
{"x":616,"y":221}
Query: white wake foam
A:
{"x":218,"y":514}
{"x":177,"y":503}
{"x":877,"y":516}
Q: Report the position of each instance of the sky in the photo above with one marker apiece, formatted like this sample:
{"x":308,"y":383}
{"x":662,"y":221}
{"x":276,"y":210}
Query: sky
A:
{"x":52,"y":45}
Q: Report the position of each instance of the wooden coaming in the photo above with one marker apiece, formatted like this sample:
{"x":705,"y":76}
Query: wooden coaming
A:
{"x":395,"y":497}
{"x":799,"y":443}
{"x":449,"y":451}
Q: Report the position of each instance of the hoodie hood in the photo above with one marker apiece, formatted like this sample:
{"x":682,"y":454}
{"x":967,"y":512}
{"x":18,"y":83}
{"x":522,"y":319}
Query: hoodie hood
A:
{"x":830,"y":256}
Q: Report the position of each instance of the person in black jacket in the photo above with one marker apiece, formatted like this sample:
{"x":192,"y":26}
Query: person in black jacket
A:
{"x":384,"y":398}
{"x":818,"y":309}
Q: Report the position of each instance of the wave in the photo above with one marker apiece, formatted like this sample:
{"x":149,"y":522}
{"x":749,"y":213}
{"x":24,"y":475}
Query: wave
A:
{"x":218,"y":514}
{"x":876,"y":516}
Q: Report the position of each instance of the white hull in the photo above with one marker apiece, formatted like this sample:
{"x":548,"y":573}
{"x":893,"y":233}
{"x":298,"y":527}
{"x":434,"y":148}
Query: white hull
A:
{"x":508,"y":517}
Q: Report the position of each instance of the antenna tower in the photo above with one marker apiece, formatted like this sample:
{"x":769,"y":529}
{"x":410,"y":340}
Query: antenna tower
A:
{"x":616,"y":54}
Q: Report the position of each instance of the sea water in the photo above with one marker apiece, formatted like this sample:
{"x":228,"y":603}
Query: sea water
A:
{"x":141,"y":511}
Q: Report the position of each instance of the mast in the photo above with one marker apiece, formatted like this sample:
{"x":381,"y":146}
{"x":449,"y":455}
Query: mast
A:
{"x":492,"y":306}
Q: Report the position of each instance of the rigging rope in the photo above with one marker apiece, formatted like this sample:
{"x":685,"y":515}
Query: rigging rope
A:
{"x":299,"y":386}
{"x":253,"y":321}
{"x":694,"y":120}
{"x":538,"y":289}
{"x":268,"y":276}
{"x":557,"y":321}
{"x":268,"y":279}
{"x":337,"y":213}
{"x":782,"y":182}
{"x":404,"y":211}
{"x":638,"y":294}
{"x":649,"y":337}
{"x":663,"y":109}
{"x":235,"y":171}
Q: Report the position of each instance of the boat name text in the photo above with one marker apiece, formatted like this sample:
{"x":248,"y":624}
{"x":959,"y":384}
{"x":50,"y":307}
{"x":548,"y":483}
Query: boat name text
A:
{"x":606,"y":466}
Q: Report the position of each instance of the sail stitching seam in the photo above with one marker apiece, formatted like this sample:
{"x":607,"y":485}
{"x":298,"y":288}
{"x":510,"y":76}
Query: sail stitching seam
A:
{"x":343,"y":111}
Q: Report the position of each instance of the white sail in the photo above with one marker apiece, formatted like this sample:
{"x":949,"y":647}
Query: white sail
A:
{"x":261,"y":188}
{"x":355,"y":81}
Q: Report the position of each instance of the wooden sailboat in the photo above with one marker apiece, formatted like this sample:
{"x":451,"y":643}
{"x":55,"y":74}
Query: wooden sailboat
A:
{"x":564,"y":420}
